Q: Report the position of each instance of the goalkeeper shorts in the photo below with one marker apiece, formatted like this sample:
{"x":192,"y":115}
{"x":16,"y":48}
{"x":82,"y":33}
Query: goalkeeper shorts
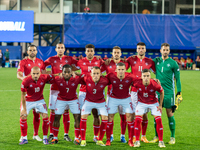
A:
{"x":169,"y":100}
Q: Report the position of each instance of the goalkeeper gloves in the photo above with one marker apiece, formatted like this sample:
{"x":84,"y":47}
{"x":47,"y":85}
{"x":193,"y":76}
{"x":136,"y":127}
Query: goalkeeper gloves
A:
{"x":179,"y":99}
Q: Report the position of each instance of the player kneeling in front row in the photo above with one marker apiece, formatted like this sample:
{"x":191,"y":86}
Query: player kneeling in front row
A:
{"x":147,"y":99}
{"x":67,"y":85}
{"x":95,"y":85}
{"x":32,"y":98}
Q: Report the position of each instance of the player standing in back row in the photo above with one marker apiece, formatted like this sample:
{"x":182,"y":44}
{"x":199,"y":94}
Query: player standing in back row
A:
{"x":166,"y":70}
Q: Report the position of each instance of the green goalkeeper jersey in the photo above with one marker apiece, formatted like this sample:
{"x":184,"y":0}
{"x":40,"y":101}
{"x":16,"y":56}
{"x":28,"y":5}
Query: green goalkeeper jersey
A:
{"x":166,"y":70}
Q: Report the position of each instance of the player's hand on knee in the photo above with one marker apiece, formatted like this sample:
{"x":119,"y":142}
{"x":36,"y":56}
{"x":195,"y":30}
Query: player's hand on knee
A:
{"x":44,"y":115}
{"x":23,"y":114}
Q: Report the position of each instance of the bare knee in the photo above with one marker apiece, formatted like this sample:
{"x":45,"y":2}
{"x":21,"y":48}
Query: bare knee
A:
{"x":44,"y":115}
{"x":52,"y":111}
{"x":110,"y":117}
{"x":145,"y":116}
{"x":129,"y":117}
{"x":169,"y":112}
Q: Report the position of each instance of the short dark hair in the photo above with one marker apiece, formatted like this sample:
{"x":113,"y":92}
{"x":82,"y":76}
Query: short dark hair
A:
{"x":90,"y":46}
{"x":96,"y":67}
{"x":60,"y":43}
{"x":116,"y":47}
{"x":164,"y":44}
{"x":141,"y":44}
{"x":32,"y":46}
{"x":66,"y":66}
{"x":121,"y":64}
{"x":146,"y":70}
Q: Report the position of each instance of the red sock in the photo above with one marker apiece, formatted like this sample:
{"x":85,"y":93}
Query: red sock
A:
{"x":144,"y":126}
{"x":45,"y":126}
{"x":123,"y":124}
{"x":83,"y":128}
{"x":36,"y":122}
{"x":55,"y":131}
{"x":66,"y":122}
{"x":96,"y":130}
{"x":103,"y":129}
{"x":159,"y":128}
{"x":23,"y":127}
{"x":108,"y":130}
{"x":111,"y":127}
{"x":77,"y":132}
{"x":130,"y":129}
{"x":133,"y":133}
{"x":137,"y":129}
{"x":52,"y":116}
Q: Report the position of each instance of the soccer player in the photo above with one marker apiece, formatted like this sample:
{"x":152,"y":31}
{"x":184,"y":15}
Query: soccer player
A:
{"x":116,"y":53}
{"x":95,"y":84}
{"x":32,"y":98}
{"x":147,"y":88}
{"x":67,"y":86}
{"x":138,"y":63}
{"x":23,"y":71}
{"x":86,"y":64}
{"x":56,"y":63}
{"x":166,"y":70}
{"x":119,"y":95}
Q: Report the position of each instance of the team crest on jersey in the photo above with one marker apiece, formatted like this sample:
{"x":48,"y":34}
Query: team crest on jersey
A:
{"x":84,"y":64}
{"x":31,"y":85}
{"x":61,"y":84}
{"x":157,"y":63}
{"x":41,"y":83}
{"x":39,"y":64}
{"x":151,"y":90}
{"x":55,"y":61}
{"x":134,"y":62}
{"x":177,"y":69}
{"x":96,"y":63}
{"x":127,"y":81}
{"x":146,"y":64}
{"x":110,"y":66}
{"x":29,"y":65}
{"x":73,"y":84}
{"x":168,"y":65}
{"x":140,"y":89}
{"x":114,"y":81}
{"x":101,"y":86}
{"x":66,"y":61}
{"x":89,"y":84}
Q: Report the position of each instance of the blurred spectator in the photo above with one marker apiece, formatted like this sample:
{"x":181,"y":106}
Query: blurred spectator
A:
{"x":86,"y":9}
{"x":182,"y":61}
{"x":6,"y":54}
{"x":197,"y":62}
{"x":80,"y":57}
{"x":198,"y":59}
{"x":67,"y":52}
{"x":178,"y":61}
{"x":124,"y":57}
{"x":1,"y":58}
{"x":74,"y":56}
{"x":188,"y":63}
{"x":105,"y":57}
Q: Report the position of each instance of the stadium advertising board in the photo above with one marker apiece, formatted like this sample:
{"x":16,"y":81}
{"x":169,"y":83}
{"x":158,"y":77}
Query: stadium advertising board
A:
{"x":16,"y":26}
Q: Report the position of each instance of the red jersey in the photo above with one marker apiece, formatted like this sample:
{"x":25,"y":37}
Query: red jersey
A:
{"x":85,"y":65}
{"x":35,"y":89}
{"x":111,"y":68}
{"x":57,"y":63}
{"x":67,"y":89}
{"x":120,"y":88}
{"x":26,"y":65}
{"x":147,"y":94}
{"x":95,"y":91}
{"x":137,"y":65}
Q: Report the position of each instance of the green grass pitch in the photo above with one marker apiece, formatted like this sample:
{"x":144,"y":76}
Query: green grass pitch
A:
{"x":187,"y":119}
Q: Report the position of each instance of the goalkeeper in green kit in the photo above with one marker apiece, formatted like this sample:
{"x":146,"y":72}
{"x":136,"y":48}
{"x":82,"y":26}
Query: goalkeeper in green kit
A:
{"x":166,"y":70}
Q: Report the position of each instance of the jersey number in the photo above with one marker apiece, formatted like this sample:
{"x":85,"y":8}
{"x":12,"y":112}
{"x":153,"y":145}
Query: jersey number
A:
{"x":140,"y":68}
{"x":145,"y":94}
{"x":37,"y":89}
{"x":67,"y":90}
{"x":94,"y":91}
{"x":120,"y":86}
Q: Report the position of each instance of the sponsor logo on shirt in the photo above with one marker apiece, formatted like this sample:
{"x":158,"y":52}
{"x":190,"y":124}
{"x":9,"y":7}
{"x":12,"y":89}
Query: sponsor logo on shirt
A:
{"x":145,"y":94}
{"x":127,"y":81}
{"x":151,"y":90}
{"x":134,"y":62}
{"x":41,"y":83}
{"x":101,"y":86}
{"x":39,"y":64}
{"x":84,"y":64}
{"x":168,"y":65}
{"x":96,"y":63}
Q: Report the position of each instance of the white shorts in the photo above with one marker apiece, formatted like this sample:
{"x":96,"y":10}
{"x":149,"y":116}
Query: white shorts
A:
{"x":81,"y":98}
{"x":120,"y":109}
{"x":142,"y":107}
{"x":126,"y":104}
{"x":88,"y":106}
{"x":72,"y":105}
{"x":134,"y":99}
{"x":40,"y":106}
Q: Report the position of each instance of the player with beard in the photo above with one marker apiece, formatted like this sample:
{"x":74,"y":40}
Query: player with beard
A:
{"x":86,"y":64}
{"x":116,"y":53}
{"x":57,"y":62}
{"x":23,"y":71}
{"x":166,"y":70}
